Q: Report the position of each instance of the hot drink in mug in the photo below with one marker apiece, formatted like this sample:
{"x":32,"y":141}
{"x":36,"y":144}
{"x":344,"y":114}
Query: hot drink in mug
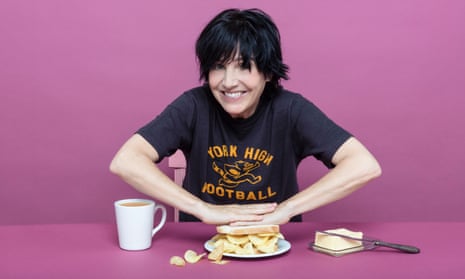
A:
{"x":135,"y":222}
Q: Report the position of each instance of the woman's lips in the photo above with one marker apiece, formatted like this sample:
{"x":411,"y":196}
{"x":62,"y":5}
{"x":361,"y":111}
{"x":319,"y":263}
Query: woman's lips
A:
{"x":233,"y":95}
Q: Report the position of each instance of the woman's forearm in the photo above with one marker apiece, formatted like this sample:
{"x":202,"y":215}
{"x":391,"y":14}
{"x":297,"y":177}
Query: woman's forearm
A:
{"x":355,"y":167}
{"x":134,"y":163}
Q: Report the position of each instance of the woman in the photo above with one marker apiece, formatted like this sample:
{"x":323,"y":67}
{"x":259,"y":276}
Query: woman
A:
{"x":243,"y":136}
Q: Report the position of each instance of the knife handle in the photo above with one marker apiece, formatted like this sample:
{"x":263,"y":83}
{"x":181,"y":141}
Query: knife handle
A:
{"x":401,"y":247}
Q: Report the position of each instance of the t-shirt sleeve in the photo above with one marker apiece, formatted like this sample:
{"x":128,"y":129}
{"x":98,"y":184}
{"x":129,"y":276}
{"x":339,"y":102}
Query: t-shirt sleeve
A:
{"x":170,"y":130}
{"x":317,"y":135}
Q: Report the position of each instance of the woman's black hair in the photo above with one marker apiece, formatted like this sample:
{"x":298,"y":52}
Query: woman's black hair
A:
{"x":250,"y":33}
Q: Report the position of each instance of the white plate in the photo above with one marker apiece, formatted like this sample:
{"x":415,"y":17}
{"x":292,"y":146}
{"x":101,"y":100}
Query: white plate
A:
{"x":283,"y":247}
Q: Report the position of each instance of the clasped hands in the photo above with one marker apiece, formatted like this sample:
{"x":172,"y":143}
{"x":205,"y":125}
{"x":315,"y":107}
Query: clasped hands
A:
{"x":245,"y":214}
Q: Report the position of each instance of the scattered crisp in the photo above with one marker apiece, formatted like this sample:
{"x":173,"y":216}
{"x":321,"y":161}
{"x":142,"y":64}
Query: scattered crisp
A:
{"x":177,"y":261}
{"x":217,"y":253}
{"x":192,"y":257}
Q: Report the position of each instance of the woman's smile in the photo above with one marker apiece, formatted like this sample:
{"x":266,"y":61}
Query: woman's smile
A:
{"x":237,"y":89}
{"x":234,"y":95}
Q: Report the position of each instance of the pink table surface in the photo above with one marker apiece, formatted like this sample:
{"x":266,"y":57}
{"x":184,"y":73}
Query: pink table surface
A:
{"x":91,"y":251}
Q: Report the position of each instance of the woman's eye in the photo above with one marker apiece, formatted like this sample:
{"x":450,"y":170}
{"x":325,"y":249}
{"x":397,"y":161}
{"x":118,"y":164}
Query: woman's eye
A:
{"x":244,"y":66}
{"x":218,"y":67}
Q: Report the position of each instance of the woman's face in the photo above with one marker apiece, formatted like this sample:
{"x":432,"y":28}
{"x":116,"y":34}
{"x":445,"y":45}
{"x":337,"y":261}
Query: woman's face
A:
{"x":236,"y":88}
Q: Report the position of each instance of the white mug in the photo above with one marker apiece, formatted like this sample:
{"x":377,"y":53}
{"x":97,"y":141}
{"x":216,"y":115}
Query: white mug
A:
{"x":134,"y":221}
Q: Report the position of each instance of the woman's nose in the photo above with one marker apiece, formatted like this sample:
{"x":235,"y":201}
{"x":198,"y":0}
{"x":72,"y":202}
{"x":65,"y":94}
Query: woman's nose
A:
{"x":230,"y":77}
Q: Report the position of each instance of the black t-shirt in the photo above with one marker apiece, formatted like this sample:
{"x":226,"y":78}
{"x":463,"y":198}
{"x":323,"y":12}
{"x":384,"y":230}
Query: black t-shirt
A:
{"x":243,"y":160}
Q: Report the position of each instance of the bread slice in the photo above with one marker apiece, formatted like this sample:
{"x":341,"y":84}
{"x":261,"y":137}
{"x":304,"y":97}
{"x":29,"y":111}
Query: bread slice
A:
{"x":241,"y":230}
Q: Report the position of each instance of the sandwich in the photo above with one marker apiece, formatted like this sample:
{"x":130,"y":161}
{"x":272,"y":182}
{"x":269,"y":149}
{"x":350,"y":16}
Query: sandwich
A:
{"x":246,"y":230}
{"x":245,"y":240}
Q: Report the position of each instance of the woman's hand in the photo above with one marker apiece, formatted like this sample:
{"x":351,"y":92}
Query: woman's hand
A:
{"x":281,"y":215}
{"x":236,"y":213}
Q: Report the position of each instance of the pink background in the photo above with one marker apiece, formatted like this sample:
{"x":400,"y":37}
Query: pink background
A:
{"x":78,"y":77}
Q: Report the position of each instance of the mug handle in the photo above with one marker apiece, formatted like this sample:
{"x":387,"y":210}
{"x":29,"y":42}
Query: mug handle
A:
{"x":163,"y":218}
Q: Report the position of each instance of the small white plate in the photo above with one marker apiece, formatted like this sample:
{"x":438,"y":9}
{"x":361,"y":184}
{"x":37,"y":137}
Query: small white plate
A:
{"x":283,"y":247}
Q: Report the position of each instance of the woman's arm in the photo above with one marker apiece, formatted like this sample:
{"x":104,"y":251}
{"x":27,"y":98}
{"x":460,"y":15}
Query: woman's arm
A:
{"x":354,"y":167}
{"x":134,"y":163}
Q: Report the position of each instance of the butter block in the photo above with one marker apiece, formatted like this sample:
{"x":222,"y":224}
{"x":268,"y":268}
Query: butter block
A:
{"x":337,"y":243}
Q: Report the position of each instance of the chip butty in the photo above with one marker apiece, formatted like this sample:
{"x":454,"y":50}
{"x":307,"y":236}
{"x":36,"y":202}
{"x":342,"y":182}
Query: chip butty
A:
{"x":246,"y":244}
